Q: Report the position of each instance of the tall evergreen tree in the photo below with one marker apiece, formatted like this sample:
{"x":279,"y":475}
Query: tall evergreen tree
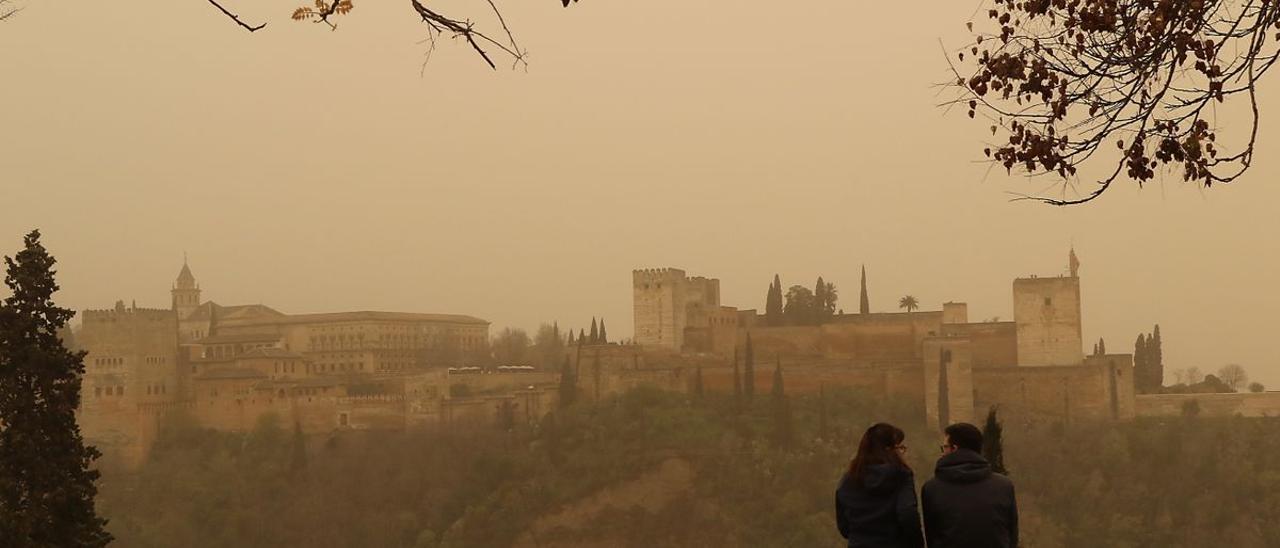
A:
{"x":781,"y":408}
{"x":1095,"y":349}
{"x":864,"y":305}
{"x":993,"y":442}
{"x":570,"y":343}
{"x":944,"y":387}
{"x":773,"y":303}
{"x":697,"y":383}
{"x":737,"y":380}
{"x":582,"y":337}
{"x":595,"y":332}
{"x":46,"y":480}
{"x":749,"y":372}
{"x":819,"y":301}
{"x":1102,"y":347}
{"x":568,"y":391}
{"x":1150,"y":350}
{"x":1157,"y":360}
{"x":1140,"y":374}
{"x":604,"y":335}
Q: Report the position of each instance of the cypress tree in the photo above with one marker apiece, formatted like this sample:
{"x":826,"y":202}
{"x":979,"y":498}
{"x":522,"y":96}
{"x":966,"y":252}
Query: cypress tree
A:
{"x":595,"y":332}
{"x":773,"y":303}
{"x":1140,"y":375}
{"x":46,"y":483}
{"x":568,"y":391}
{"x":992,"y":442}
{"x":819,"y":301}
{"x":737,"y":380}
{"x":781,"y":409}
{"x":1157,"y":361}
{"x":582,"y":337}
{"x":1102,"y":347}
{"x":604,"y":335}
{"x":944,"y":398}
{"x":864,"y":305}
{"x":749,"y":373}
{"x":570,"y":337}
{"x":697,"y":383}
{"x":1095,"y":349}
{"x":1150,"y":357}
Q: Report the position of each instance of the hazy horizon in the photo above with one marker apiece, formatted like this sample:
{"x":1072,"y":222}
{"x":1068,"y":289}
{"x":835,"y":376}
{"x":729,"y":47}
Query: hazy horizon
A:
{"x":316,"y":171}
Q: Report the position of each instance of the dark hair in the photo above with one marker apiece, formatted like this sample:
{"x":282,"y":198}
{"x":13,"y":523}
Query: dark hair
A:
{"x":964,"y":436}
{"x":877,"y":447}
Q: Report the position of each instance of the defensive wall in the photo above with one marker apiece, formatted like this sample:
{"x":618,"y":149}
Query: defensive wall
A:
{"x":1261,"y":404}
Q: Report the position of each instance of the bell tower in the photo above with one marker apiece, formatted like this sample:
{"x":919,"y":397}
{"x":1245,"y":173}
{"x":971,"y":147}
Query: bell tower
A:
{"x":186,"y":293}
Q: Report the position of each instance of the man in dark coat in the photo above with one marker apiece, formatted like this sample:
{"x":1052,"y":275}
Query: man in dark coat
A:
{"x":966,"y":505}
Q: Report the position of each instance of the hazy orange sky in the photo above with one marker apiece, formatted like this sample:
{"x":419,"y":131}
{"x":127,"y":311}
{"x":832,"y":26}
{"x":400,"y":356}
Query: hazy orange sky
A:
{"x":321,"y":171}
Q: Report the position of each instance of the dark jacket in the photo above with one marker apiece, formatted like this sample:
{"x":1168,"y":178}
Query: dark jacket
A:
{"x":881,"y":512}
{"x":966,"y":505}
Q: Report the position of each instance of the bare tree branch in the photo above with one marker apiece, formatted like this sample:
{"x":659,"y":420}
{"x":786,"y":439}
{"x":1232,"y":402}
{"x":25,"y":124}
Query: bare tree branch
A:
{"x":235,"y":18}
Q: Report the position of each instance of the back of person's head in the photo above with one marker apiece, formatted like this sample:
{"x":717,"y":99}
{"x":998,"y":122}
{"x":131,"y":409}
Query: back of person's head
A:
{"x":964,"y":436}
{"x":879,"y":445}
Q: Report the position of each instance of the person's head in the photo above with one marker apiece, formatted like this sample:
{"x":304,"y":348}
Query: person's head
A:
{"x":881,"y":444}
{"x":962,"y":435}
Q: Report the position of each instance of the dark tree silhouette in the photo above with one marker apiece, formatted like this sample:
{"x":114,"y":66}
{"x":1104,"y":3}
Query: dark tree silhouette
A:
{"x":864,"y":304}
{"x":944,"y":399}
{"x":1131,"y":85}
{"x":568,"y":391}
{"x":773,"y":303}
{"x":46,"y":483}
{"x":697,"y":383}
{"x":993,"y":442}
{"x":749,"y":372}
{"x":737,"y":380}
{"x":783,"y":429}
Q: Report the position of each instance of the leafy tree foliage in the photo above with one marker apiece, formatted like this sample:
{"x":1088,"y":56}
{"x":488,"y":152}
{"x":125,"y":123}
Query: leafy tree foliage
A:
{"x":47,"y":484}
{"x":511,"y":347}
{"x":1131,"y":85}
{"x":1257,"y":387}
{"x":800,"y":305}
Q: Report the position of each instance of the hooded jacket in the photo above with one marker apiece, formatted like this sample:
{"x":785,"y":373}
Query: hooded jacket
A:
{"x":966,"y":505}
{"x":881,"y":511}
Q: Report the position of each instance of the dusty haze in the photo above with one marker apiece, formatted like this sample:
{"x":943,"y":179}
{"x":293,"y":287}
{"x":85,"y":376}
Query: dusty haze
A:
{"x":320,"y":171}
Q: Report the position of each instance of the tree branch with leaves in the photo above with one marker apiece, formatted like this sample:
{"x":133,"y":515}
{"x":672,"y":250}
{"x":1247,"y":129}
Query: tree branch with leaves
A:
{"x":1063,"y":81}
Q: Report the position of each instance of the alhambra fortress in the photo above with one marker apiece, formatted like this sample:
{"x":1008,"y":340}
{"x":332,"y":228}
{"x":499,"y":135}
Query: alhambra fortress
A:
{"x":226,"y":367}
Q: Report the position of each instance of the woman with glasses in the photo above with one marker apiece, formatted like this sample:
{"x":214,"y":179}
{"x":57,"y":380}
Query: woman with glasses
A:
{"x":876,"y":501}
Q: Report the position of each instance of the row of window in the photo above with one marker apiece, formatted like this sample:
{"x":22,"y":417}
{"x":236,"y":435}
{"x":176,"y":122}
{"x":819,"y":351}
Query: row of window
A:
{"x":98,"y":391}
{"x":156,"y":389}
{"x":108,"y":361}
